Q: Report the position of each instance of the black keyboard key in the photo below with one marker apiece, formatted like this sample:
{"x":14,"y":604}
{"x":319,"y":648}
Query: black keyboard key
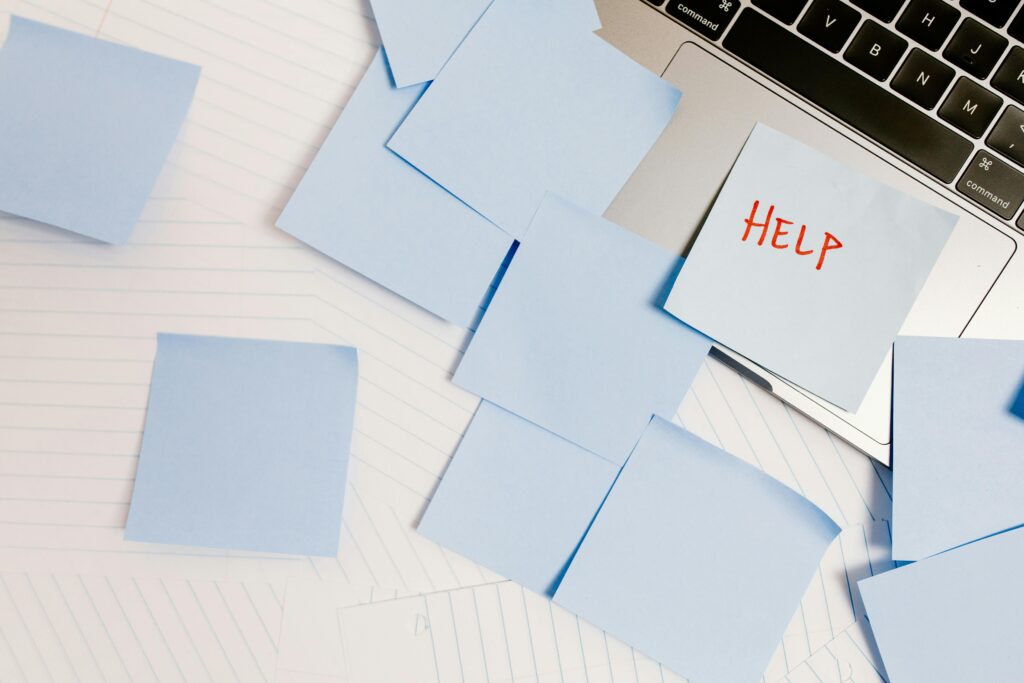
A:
{"x":1009,"y":78}
{"x":928,"y":22}
{"x":1016,"y":27}
{"x":882,"y":9}
{"x":1008,"y":136}
{"x":975,"y":49}
{"x":852,"y":98}
{"x":785,"y":11}
{"x":922,"y":78}
{"x":875,"y":50}
{"x":993,"y":184}
{"x":707,"y":17}
{"x":970,"y":107}
{"x":995,"y":12}
{"x":829,"y":23}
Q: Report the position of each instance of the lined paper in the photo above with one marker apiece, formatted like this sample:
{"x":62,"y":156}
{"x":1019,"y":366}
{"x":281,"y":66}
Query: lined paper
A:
{"x":59,"y":627}
{"x":308,"y":646}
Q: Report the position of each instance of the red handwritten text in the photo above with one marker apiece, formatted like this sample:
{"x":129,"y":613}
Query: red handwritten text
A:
{"x":778,"y":233}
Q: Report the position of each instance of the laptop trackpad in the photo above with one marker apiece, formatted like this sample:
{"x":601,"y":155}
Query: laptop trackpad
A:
{"x":671,"y":192}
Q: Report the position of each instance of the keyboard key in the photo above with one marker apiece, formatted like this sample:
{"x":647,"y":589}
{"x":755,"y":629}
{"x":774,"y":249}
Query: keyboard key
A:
{"x":995,"y":12}
{"x":1016,"y":27}
{"x":970,"y":107}
{"x":852,"y":98}
{"x":875,"y":50}
{"x":707,"y":17}
{"x":975,"y":49}
{"x":785,"y":11}
{"x":1008,"y":136}
{"x":1009,"y":78}
{"x":829,"y":23}
{"x":881,"y":9}
{"x":928,"y":22}
{"x":993,"y":184}
{"x":922,"y":78}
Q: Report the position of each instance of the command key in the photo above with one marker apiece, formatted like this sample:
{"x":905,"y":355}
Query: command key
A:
{"x":707,"y":17}
{"x":993,"y":184}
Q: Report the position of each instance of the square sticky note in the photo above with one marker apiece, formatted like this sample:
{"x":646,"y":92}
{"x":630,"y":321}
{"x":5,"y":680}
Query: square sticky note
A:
{"x":954,"y":617}
{"x":696,"y":558}
{"x":420,"y":35}
{"x":517,"y":499}
{"x":246,"y":445}
{"x":533,"y":101}
{"x":808,"y":267}
{"x":85,"y":127}
{"x":363,"y":205}
{"x":574,"y":339}
{"x":957,"y":449}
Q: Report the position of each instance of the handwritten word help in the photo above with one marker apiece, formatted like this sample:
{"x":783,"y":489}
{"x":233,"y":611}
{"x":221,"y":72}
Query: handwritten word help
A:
{"x":831,"y":241}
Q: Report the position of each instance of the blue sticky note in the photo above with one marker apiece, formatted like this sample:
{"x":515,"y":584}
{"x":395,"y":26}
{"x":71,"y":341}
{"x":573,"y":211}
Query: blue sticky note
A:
{"x":957,"y":450}
{"x":246,"y":445}
{"x":517,"y":499}
{"x":808,"y":267}
{"x":574,"y":339}
{"x":364,"y":206}
{"x":532,"y":101}
{"x":85,"y":127}
{"x":696,"y":558}
{"x":953,"y":617}
{"x":420,"y":35}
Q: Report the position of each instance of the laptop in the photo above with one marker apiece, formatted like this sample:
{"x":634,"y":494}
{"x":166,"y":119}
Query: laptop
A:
{"x":923,"y":95}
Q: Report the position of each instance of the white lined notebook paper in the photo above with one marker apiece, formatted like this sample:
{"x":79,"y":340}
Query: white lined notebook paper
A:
{"x":59,"y":627}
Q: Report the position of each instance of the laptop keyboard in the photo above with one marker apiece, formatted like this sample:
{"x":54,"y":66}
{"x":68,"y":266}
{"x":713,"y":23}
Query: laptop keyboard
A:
{"x":938,"y":84}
